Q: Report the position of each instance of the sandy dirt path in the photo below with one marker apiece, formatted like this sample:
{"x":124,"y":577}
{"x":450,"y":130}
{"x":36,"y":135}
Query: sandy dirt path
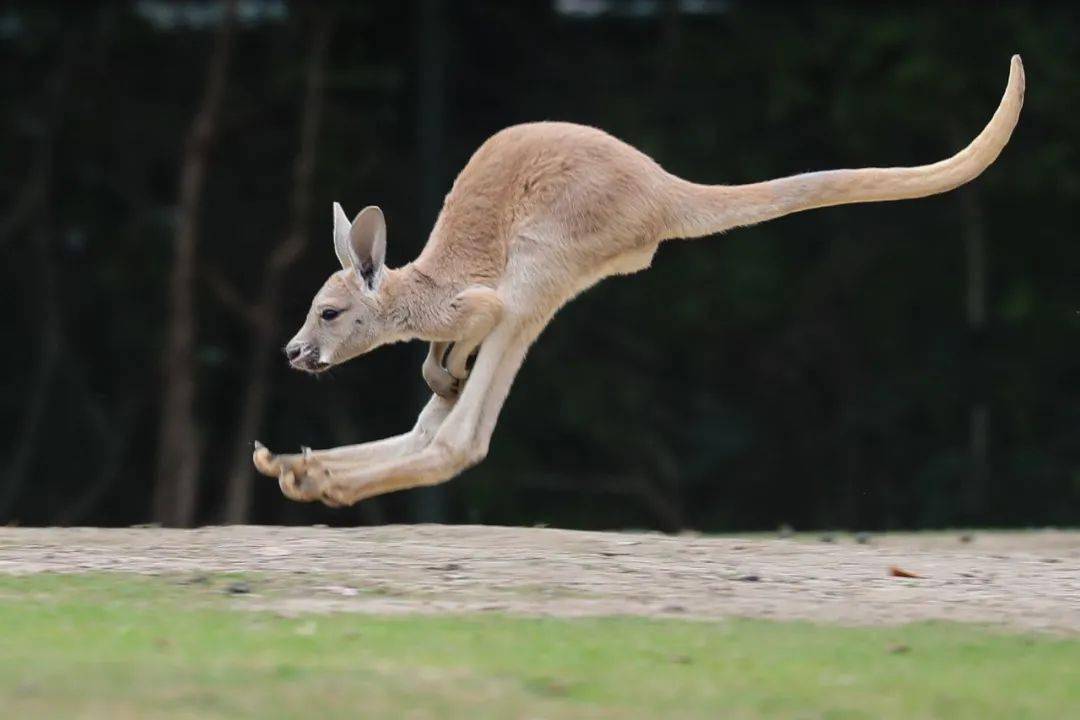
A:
{"x":1018,"y":580}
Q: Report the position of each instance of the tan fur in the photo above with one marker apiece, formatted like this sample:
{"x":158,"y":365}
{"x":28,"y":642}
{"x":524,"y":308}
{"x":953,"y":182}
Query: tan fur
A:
{"x":540,"y":212}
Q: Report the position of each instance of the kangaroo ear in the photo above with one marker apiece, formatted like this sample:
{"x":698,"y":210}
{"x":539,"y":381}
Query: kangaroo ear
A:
{"x":367,"y":243}
{"x":341,"y":237}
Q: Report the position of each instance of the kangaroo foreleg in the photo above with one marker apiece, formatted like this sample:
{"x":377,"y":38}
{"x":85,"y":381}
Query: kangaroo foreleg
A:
{"x":437,"y":377}
{"x":481,"y":311}
{"x":473,"y":315}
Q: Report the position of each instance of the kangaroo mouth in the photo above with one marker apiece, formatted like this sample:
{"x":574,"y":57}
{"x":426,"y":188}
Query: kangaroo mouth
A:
{"x":310,"y":365}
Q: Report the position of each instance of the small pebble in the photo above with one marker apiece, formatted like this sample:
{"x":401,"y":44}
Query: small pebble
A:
{"x":750,"y":578}
{"x":827,"y":538}
{"x":966,"y":538}
{"x":238,"y":588}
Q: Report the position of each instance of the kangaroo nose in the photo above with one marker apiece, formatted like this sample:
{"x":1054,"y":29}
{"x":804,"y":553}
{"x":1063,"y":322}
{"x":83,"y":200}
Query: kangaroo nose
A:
{"x":294,"y":351}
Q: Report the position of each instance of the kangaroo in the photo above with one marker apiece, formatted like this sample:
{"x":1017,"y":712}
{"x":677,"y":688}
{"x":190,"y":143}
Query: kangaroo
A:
{"x":541,"y":212}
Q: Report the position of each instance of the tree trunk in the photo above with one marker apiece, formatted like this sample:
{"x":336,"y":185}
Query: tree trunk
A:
{"x":176,"y":484}
{"x":31,"y":208}
{"x":46,"y":311}
{"x":974,"y":501}
{"x":265,"y":323}
{"x":116,"y":438}
{"x":973,"y":229}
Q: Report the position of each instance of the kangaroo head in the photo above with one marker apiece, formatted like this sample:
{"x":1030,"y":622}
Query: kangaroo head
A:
{"x":348,"y":316}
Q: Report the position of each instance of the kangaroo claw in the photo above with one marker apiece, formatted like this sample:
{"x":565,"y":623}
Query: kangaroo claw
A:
{"x":265,"y":461}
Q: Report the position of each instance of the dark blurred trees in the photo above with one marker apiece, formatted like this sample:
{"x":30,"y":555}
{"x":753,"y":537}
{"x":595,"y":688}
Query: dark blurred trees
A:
{"x":899,"y":365}
{"x":263,"y":315}
{"x":30,"y":217}
{"x":179,"y":453}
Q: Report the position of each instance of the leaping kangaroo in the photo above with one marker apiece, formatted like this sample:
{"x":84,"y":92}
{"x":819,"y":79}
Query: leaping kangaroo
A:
{"x":541,"y":212}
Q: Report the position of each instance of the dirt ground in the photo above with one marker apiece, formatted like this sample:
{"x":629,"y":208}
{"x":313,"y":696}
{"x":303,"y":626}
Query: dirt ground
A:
{"x":1019,"y":580}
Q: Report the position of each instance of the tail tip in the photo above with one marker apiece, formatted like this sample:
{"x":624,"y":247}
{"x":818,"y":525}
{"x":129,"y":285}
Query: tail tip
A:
{"x":1016,"y":68}
{"x":1017,"y":81}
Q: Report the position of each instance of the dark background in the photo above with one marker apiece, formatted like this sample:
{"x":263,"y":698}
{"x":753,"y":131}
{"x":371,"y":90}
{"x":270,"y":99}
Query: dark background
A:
{"x":869,"y":367}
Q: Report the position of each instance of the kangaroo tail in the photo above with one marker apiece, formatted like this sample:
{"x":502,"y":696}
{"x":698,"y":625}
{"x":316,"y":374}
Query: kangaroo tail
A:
{"x":706,"y":209}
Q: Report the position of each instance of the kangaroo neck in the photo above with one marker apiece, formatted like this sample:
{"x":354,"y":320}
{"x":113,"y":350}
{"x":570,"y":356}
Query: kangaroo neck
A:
{"x":415,"y":302}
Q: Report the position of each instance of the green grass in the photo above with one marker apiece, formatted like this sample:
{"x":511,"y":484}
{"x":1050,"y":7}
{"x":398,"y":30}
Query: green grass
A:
{"x":117,"y":646}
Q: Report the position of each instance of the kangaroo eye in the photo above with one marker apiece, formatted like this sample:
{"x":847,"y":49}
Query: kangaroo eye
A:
{"x":329,"y":314}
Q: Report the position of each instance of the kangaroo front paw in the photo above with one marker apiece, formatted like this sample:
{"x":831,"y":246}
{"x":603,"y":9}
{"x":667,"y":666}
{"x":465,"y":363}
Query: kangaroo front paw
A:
{"x":441,"y":382}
